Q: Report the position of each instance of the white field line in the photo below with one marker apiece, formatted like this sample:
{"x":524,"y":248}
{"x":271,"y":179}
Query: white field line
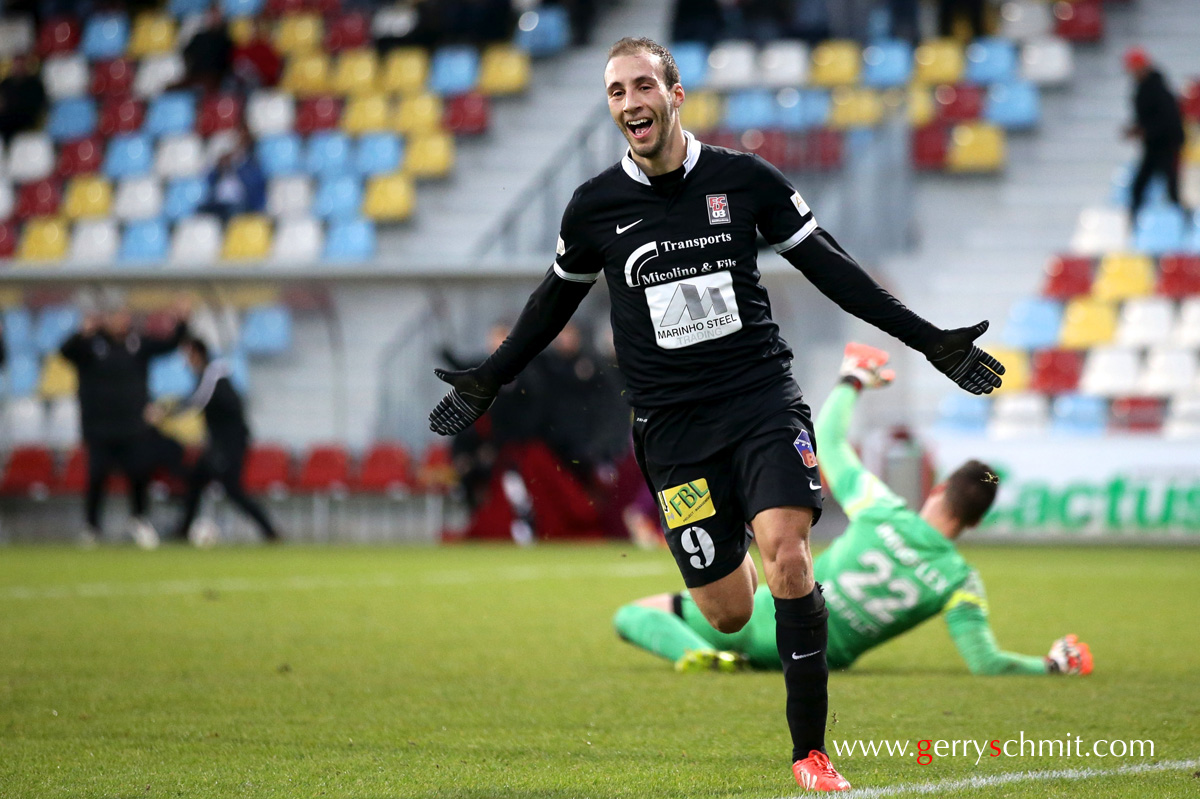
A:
{"x":510,"y":574}
{"x":991,"y":781}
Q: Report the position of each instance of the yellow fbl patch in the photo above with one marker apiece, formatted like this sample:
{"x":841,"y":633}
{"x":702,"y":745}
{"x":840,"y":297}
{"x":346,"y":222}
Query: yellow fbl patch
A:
{"x":687,"y":503}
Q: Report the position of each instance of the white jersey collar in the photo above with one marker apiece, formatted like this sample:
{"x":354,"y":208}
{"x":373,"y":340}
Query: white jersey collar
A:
{"x":689,"y":162}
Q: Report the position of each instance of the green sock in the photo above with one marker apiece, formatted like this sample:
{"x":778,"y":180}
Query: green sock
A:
{"x":658,"y":631}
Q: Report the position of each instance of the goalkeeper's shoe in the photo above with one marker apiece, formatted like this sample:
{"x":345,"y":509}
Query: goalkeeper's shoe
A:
{"x":865,"y":365}
{"x":1069,"y":655}
{"x":710,"y":660}
{"x":816,"y":773}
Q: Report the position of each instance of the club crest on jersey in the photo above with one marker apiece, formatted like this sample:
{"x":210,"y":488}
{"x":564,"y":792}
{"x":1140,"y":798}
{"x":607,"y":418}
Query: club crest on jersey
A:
{"x":718,"y":209}
{"x":804,"y":446}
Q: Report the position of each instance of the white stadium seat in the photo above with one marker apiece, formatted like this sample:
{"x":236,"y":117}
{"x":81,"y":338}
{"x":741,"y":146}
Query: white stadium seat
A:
{"x":30,"y":157}
{"x":1047,"y":61}
{"x":1110,"y":372}
{"x":1187,"y":331}
{"x":180,"y":157}
{"x":298,"y":242}
{"x":62,"y":423}
{"x":783,"y":63}
{"x":138,"y":198}
{"x":156,"y":73}
{"x":1101,"y":230}
{"x":1017,"y":415}
{"x":25,"y":419}
{"x":733,"y":65}
{"x":197,"y":241}
{"x":7,"y":199}
{"x":270,"y":112}
{"x":16,"y":36}
{"x":66,"y":76}
{"x":289,"y":197}
{"x":1169,"y":370}
{"x":1183,"y":417}
{"x":397,"y":20}
{"x":95,"y":242}
{"x":1146,"y":322}
{"x":1026,"y":19}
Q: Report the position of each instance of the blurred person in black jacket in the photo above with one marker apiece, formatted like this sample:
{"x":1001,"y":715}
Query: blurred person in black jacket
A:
{"x":22,"y":99}
{"x":113,"y":361}
{"x":1158,"y":122}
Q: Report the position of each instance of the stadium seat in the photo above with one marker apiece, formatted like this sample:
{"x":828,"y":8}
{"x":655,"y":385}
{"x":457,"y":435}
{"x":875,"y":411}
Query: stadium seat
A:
{"x":41,"y":198}
{"x":1016,"y":369}
{"x":289,"y":197}
{"x":422,"y":113}
{"x":1101,"y":230}
{"x":855,"y":108}
{"x":266,"y":330}
{"x":8,"y":199}
{"x":389,"y":198}
{"x":1019,"y":415}
{"x":1183,"y":417}
{"x":138,"y":198}
{"x":299,"y":240}
{"x":963,"y":413}
{"x":306,"y":74}
{"x":188,"y":8}
{"x":267,"y":469}
{"x":976,"y":147}
{"x":1056,"y":371}
{"x":43,"y":239}
{"x":129,"y":155}
{"x":338,"y":197}
{"x":270,"y":113}
{"x":9,"y":236}
{"x":1159,"y":230}
{"x":1079,"y":21}
{"x":1179,"y":275}
{"x":219,"y":112}
{"x":386,"y":469}
{"x":1087,"y":322}
{"x":783,"y":63}
{"x":991,"y":60}
{"x":1110,"y":371}
{"x":938,"y":62}
{"x":285,"y":8}
{"x":804,"y":110}
{"x":1136,"y":415}
{"x":429,"y":156}
{"x":405,"y":71}
{"x":692,"y":60}
{"x":703,"y":111}
{"x":467,"y":114}
{"x":454,"y":70}
{"x":170,"y":376}
{"x":325,"y":470}
{"x":930,"y":147}
{"x":112,"y":78}
{"x":88,"y":197}
{"x":66,"y":76}
{"x":59,"y":378}
{"x":1145,"y":322}
{"x":196,"y":241}
{"x":73,"y":477}
{"x":378,"y":153}
{"x":1168,"y":371}
{"x":105,"y":35}
{"x":1022,"y":20}
{"x":436,"y":473}
{"x":30,"y":157}
{"x":1187,"y":331}
{"x":1077,"y":414}
{"x":18,"y":331}
{"x":328,"y":154}
{"x":54,"y":324}
{"x":922,"y":110}
{"x":17,"y":36}
{"x":887,"y":64}
{"x":21,"y":379}
{"x":145,"y":243}
{"x":1123,"y":275}
{"x":72,"y":118}
{"x":1013,"y":106}
{"x":61,"y":428}
{"x":733,"y":65}
{"x":180,"y":157}
{"x":152,"y":34}
{"x":544,"y":32}
{"x":503,"y":70}
{"x":95,"y":242}
{"x":750,"y":109}
{"x":961,"y":103}
{"x":280,"y":154}
{"x":184,"y":197}
{"x":348,"y":32}
{"x":1067,"y":276}
{"x":57,"y":35}
{"x":352,"y":240}
{"x":81,"y":157}
{"x":29,"y":472}
{"x":156,"y":73}
{"x":318,"y":113}
{"x":357,"y":72}
{"x":837,"y":62}
{"x":299,"y":34}
{"x":368,"y":113}
{"x":247,"y":238}
{"x":121,"y":115}
{"x":1047,"y":61}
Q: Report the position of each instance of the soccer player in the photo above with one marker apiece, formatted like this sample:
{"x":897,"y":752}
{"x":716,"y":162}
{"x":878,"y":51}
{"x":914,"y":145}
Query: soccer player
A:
{"x":890,"y":571}
{"x":720,"y":430}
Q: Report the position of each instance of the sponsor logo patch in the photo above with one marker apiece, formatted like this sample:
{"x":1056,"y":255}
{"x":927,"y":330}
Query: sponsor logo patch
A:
{"x":718,"y":209}
{"x":804,"y":446}
{"x":687,"y":503}
{"x":697,"y":309}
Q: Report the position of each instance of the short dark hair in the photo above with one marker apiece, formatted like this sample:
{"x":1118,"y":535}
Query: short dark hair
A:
{"x":631,"y":45}
{"x":200,"y":347}
{"x":970,"y":491}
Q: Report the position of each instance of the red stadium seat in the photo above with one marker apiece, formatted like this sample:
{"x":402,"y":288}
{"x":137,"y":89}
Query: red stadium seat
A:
{"x":29,"y":472}
{"x":112,"y":78}
{"x":80,"y":157}
{"x":929,"y":146}
{"x":267,"y":469}
{"x":58,"y":35}
{"x":282,"y":8}
{"x":318,"y":113}
{"x":468,"y":114}
{"x":1189,"y":101}
{"x":820,"y":149}
{"x":1056,"y":371}
{"x":1136,"y":415}
{"x":386,"y":469}
{"x":219,"y":112}
{"x":325,"y":470}
{"x":1067,"y":276}
{"x":769,"y":144}
{"x":1079,"y":21}
{"x":121,"y":115}
{"x":436,"y":473}
{"x":73,"y":479}
{"x":348,"y":31}
{"x":960,"y":103}
{"x":1179,"y":275}
{"x":10,"y":233}
{"x":327,"y":7}
{"x":40,"y":198}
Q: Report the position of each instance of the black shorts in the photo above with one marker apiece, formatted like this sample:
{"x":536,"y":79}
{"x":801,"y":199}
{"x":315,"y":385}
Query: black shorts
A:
{"x":706,"y":504}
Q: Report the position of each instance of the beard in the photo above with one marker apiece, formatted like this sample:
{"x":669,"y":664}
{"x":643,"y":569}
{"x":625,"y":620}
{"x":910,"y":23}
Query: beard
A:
{"x":652,"y":147}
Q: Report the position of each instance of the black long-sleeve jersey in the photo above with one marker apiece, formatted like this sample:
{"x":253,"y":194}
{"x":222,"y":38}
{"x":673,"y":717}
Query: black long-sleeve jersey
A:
{"x":224,"y":415}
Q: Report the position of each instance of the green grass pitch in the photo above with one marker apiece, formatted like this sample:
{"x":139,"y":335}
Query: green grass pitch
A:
{"x":494,"y":672}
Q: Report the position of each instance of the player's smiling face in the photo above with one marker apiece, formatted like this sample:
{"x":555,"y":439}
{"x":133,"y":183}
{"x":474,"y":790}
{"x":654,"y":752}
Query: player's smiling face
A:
{"x":643,"y":106}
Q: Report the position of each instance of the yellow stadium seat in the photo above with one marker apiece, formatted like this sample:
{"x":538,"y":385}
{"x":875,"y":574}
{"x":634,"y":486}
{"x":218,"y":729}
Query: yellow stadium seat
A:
{"x":44,"y":239}
{"x":11,"y":297}
{"x":405,"y":70}
{"x":152,"y":34}
{"x":58,"y":378}
{"x":299,"y":33}
{"x":150,"y":299}
{"x":366,"y":114}
{"x":390,"y":198}
{"x":921,"y":107}
{"x":836,"y":63}
{"x":429,"y":156}
{"x":357,"y":72}
{"x":1087,"y":322}
{"x":88,"y":197}
{"x":701,"y":111}
{"x":248,"y":295}
{"x":241,"y":29}
{"x":247,"y":238}
{"x":504,"y":69}
{"x":855,"y":108}
{"x":1191,"y":150}
{"x":1016,"y":369}
{"x":1123,"y":275}
{"x":418,"y":113}
{"x":306,"y":74}
{"x":187,"y":427}
{"x":976,"y":147}
{"x":938,"y":61}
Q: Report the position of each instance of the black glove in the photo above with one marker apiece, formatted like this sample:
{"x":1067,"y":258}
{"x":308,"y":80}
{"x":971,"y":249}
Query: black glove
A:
{"x":954,"y":354}
{"x":472,"y":394}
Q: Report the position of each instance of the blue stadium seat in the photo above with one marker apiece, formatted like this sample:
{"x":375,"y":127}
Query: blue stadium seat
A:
{"x":339,"y":197}
{"x":241,"y":8}
{"x":129,"y":155}
{"x":1193,"y":241}
{"x":1078,"y":414}
{"x":187,"y":8}
{"x":1014,"y":105}
{"x":18,"y":332}
{"x":266,"y":330}
{"x":22,"y":372}
{"x":810,"y":110}
{"x":1033,"y":324}
{"x":105,"y":36}
{"x":991,"y":60}
{"x":328,"y":154}
{"x":964,"y":413}
{"x":887,"y":64}
{"x":72,"y":118}
{"x":170,"y":114}
{"x":378,"y":154}
{"x":239,"y":371}
{"x":145,"y":243}
{"x":184,"y":197}
{"x":350,"y":240}
{"x":279,"y":154}
{"x":54,"y":325}
{"x":544,"y":32}
{"x":692,"y":60}
{"x":1122,"y":186}
{"x":751,"y":109}
{"x":170,"y":376}
{"x":454,"y":70}
{"x":1160,"y":229}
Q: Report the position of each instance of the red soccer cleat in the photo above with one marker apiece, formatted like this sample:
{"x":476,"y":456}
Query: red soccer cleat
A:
{"x":816,"y":773}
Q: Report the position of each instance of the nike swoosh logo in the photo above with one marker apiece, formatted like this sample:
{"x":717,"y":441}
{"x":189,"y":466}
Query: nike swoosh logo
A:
{"x":814,"y":486}
{"x":621,"y":230}
{"x":802,"y":657}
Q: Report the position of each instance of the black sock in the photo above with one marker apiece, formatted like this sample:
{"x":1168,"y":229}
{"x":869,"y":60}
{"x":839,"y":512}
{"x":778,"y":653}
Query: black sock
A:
{"x":801,"y":634}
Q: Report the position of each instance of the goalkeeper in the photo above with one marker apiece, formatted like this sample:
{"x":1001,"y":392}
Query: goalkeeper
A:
{"x":891,"y":570}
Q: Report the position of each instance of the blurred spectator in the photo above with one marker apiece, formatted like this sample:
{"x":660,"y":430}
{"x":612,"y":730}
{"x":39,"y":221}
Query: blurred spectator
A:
{"x":950,"y":10}
{"x":698,"y":21}
{"x":208,"y":56}
{"x":256,"y":62}
{"x":848,"y":18}
{"x":582,"y":14}
{"x":1159,"y":124}
{"x":237,"y":184}
{"x":905,"y":20}
{"x":22,"y":99}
